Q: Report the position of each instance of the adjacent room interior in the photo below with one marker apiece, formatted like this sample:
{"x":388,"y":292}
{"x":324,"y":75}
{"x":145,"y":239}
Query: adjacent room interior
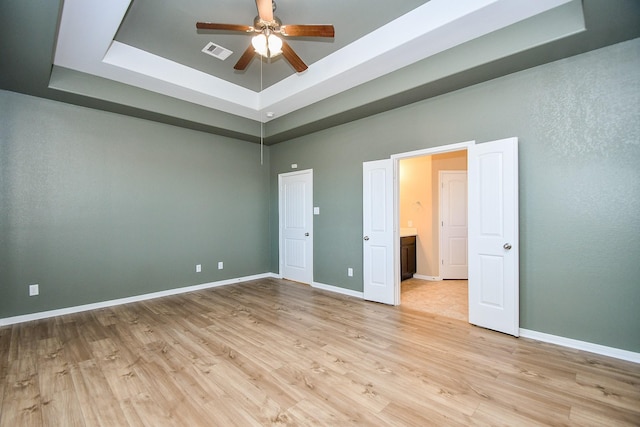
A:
{"x":432,"y":189}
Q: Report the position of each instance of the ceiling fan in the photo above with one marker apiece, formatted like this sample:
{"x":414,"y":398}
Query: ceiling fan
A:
{"x":266,"y":42}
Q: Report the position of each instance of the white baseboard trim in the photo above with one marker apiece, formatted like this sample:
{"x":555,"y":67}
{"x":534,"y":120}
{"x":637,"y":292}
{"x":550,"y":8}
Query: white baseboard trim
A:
{"x":431,"y":278}
{"x":338,"y":290}
{"x":103,"y":304}
{"x":617,"y":353}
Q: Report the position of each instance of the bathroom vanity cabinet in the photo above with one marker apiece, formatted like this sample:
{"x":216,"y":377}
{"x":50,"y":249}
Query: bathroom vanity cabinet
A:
{"x":407,"y":257}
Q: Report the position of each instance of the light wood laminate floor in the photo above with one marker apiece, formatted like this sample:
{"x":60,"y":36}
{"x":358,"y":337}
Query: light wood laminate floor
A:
{"x":272,"y":352}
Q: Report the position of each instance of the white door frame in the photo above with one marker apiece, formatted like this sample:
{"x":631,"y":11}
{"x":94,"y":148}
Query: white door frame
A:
{"x":396,"y":198}
{"x":280,"y":228}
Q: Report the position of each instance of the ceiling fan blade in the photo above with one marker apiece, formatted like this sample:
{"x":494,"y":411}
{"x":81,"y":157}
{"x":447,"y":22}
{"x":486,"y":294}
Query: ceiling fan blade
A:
{"x":265,"y":9}
{"x":226,"y":27}
{"x":293,"y":58}
{"x":307,"y":30}
{"x":244,"y":60}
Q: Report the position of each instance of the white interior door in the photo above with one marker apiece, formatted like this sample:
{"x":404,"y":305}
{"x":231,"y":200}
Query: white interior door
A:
{"x":296,"y":226}
{"x":453,"y":225}
{"x":493,"y":235}
{"x":377,"y":244}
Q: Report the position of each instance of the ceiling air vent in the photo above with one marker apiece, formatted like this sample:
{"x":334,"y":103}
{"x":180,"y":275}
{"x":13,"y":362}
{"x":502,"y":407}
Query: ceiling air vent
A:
{"x":217,"y":51}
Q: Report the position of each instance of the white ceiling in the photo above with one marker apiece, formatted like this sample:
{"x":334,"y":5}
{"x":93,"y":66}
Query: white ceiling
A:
{"x":88,"y":28}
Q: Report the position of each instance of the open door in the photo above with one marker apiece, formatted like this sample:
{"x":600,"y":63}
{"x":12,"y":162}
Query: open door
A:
{"x":493,"y":236}
{"x":377,"y":244}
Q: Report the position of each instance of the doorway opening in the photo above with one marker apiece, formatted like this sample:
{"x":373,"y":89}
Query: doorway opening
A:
{"x":432,"y":215}
{"x":493,"y":245}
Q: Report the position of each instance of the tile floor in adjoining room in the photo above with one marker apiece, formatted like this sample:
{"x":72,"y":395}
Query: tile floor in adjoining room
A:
{"x":448,"y":298}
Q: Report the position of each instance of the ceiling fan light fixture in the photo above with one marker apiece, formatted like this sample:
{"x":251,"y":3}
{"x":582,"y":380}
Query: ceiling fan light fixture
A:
{"x":259,"y":43}
{"x":267,"y":45}
{"x":274,"y":44}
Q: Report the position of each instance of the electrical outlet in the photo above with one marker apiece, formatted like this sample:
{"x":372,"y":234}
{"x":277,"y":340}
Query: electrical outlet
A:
{"x":198,"y":268}
{"x":34,"y":290}
{"x":220,"y":265}
{"x":350,"y":272}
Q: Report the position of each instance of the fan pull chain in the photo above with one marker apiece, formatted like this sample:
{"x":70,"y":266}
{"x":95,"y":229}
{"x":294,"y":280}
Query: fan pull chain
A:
{"x":261,"y":121}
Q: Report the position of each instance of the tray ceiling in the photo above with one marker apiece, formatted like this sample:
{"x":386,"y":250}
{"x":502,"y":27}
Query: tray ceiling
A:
{"x":143,"y":57}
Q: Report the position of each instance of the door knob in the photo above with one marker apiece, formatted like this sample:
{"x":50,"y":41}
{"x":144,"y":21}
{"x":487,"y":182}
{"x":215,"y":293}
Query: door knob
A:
{"x":507,"y":246}
{"x":366,"y":238}
{"x":306,"y":234}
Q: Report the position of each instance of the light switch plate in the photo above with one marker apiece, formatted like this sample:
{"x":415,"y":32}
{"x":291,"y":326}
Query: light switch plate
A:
{"x":316,"y":210}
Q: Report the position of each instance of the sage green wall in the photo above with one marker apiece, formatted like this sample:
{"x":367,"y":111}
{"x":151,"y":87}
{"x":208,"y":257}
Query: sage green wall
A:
{"x":578,"y":123}
{"x":96,"y":206}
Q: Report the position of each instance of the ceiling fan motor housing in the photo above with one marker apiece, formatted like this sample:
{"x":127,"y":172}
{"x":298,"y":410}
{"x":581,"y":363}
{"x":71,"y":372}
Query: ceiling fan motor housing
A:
{"x":260,"y":24}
